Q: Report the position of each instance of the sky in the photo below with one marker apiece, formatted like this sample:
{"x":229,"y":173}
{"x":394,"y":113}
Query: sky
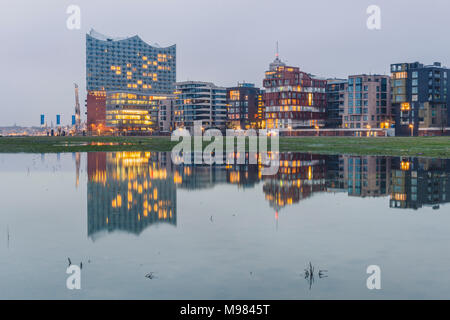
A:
{"x":221,"y":41}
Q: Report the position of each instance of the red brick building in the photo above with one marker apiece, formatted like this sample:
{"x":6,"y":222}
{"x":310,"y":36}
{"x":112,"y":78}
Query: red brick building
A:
{"x":293,"y":99}
{"x":96,"y":111}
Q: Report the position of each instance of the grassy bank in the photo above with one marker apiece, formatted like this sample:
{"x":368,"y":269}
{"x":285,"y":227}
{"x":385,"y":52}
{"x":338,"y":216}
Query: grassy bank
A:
{"x":398,"y":146}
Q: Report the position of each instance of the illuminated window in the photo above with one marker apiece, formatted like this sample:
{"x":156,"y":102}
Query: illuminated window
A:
{"x":405,"y":106}
{"x":399,"y":75}
{"x":234,"y":95}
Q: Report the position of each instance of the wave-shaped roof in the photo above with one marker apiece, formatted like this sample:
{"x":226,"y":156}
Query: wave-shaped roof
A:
{"x":99,"y":36}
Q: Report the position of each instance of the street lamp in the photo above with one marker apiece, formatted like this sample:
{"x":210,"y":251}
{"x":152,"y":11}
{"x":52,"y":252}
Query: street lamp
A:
{"x":317,"y":128}
{"x":411,"y":126}
{"x":369,"y":127}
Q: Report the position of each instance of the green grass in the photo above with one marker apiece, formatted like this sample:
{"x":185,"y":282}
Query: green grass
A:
{"x":393,"y":146}
{"x":438,"y":147}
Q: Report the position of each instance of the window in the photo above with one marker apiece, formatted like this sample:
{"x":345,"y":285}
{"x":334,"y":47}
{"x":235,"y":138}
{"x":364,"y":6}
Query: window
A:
{"x":414,"y":74}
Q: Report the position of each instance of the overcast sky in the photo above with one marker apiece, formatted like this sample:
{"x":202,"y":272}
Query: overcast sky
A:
{"x":223,"y":41}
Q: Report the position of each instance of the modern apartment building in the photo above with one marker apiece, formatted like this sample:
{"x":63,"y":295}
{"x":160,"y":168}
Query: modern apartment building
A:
{"x":200,"y":101}
{"x":336,"y":91}
{"x":367,"y":102}
{"x":420,"y":96}
{"x":126,"y":64}
{"x":293,"y":99}
{"x":242,"y":103}
{"x":166,"y":114}
{"x":129,"y":113}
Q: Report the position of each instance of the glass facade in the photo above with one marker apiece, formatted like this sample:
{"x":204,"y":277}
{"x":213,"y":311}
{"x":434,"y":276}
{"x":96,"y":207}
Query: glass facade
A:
{"x":200,"y":101}
{"x":128,"y":64}
{"x":131,"y":113}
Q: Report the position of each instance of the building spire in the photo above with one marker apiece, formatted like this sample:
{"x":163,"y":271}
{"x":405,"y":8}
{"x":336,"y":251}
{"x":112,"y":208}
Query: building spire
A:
{"x":276,"y":53}
{"x":277,"y":62}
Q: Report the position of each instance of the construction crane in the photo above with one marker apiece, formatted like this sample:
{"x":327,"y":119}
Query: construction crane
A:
{"x":77,"y":109}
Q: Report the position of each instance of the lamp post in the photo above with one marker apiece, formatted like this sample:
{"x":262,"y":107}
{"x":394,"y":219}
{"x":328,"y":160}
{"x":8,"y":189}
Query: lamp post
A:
{"x":411,"y":126}
{"x":317,"y":128}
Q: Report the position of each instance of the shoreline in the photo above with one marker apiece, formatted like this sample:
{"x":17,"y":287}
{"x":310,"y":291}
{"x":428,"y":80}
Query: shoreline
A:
{"x":435,"y":147}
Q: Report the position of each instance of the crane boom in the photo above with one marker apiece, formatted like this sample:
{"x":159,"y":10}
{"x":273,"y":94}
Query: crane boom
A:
{"x":77,"y":108}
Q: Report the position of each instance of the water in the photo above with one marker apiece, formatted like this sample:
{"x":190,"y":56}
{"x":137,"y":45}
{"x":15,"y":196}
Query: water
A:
{"x":223,"y":232}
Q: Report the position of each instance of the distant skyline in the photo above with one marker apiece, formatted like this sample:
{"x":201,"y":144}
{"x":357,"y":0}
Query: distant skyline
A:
{"x":218,"y":41}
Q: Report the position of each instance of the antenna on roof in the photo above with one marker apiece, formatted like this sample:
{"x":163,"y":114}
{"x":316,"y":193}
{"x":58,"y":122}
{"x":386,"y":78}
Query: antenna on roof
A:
{"x":276,"y":53}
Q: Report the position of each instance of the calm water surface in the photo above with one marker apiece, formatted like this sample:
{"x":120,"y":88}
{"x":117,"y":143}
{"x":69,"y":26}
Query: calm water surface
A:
{"x":223,"y":232}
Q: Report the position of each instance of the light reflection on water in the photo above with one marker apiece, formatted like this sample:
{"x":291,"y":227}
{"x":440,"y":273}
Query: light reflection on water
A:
{"x":223,"y":231}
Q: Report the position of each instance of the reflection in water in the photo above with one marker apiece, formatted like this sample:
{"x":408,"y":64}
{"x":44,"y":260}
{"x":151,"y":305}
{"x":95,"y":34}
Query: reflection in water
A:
{"x":299,"y":177}
{"x":310,"y":274}
{"x":130,"y":191}
{"x":420,"y":182}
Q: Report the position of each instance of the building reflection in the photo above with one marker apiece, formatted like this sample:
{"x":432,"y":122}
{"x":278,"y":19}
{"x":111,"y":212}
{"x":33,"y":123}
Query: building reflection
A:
{"x":129,"y":191}
{"x":365,"y":176}
{"x":199,"y":176}
{"x":417,"y":182}
{"x":298,"y":178}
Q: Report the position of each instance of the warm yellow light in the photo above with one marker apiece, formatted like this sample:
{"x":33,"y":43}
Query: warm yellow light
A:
{"x":405,"y":106}
{"x":400,"y":75}
{"x":405,"y":165}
